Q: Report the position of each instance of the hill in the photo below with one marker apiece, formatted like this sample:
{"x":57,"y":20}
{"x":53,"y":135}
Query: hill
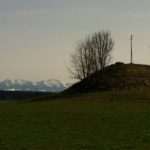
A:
{"x":119,"y":76}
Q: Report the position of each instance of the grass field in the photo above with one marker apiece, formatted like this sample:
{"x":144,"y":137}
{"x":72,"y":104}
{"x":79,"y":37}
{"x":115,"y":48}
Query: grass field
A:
{"x":94,"y":121}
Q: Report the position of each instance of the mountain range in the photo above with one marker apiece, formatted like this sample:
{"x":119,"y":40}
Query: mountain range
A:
{"x":52,"y":85}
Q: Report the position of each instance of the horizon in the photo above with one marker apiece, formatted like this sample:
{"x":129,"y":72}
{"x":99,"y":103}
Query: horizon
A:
{"x":73,"y":81}
{"x":17,"y":80}
{"x":37,"y":36}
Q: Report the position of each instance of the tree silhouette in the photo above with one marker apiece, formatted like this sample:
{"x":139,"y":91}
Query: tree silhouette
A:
{"x":91,"y":54}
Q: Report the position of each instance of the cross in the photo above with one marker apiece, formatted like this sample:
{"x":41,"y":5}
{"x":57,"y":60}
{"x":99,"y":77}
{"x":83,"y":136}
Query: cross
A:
{"x":131,"y":50}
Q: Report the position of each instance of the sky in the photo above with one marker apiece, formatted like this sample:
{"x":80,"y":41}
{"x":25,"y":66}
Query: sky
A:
{"x":38,"y":36}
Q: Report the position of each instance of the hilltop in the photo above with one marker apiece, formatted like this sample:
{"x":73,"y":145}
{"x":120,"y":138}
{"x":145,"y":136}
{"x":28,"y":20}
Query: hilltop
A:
{"x":118,"y":76}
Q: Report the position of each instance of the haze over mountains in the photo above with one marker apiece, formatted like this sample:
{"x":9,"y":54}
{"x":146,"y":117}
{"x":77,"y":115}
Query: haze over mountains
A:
{"x":52,"y":85}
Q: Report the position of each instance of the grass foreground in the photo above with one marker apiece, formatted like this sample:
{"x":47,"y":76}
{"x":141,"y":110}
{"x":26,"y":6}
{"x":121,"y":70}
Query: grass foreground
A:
{"x":93,"y":121}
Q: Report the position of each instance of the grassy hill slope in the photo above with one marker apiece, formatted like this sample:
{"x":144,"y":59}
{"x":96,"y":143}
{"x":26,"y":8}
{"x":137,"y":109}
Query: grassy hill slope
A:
{"x":115,"y":77}
{"x":94,"y":121}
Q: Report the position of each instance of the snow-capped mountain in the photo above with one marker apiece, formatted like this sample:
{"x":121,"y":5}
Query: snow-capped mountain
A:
{"x":23,"y":85}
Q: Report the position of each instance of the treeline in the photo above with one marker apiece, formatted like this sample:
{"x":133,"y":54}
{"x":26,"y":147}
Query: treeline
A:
{"x":18,"y":95}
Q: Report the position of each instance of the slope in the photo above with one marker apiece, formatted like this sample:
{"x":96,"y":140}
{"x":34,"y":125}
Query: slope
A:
{"x":115,"y":77}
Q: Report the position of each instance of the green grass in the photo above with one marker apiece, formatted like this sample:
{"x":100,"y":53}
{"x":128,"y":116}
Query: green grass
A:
{"x":94,"y":121}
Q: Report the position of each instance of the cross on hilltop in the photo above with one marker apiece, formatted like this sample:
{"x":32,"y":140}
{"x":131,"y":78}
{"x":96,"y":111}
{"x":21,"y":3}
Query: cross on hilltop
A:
{"x":131,"y":50}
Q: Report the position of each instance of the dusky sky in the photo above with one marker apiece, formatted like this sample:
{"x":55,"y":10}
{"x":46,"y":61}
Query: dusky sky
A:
{"x":37,"y":36}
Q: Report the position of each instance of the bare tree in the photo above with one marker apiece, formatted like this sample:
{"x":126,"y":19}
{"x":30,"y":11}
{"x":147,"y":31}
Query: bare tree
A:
{"x":91,"y":55}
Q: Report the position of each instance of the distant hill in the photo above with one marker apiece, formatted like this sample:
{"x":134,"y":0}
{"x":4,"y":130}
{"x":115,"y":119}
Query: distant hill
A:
{"x":22,"y":95}
{"x":119,"y":76}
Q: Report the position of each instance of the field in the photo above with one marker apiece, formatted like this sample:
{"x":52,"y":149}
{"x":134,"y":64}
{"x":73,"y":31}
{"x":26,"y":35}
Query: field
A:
{"x":93,"y":121}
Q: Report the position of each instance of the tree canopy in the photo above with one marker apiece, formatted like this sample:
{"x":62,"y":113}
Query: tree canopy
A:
{"x":91,"y":54}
